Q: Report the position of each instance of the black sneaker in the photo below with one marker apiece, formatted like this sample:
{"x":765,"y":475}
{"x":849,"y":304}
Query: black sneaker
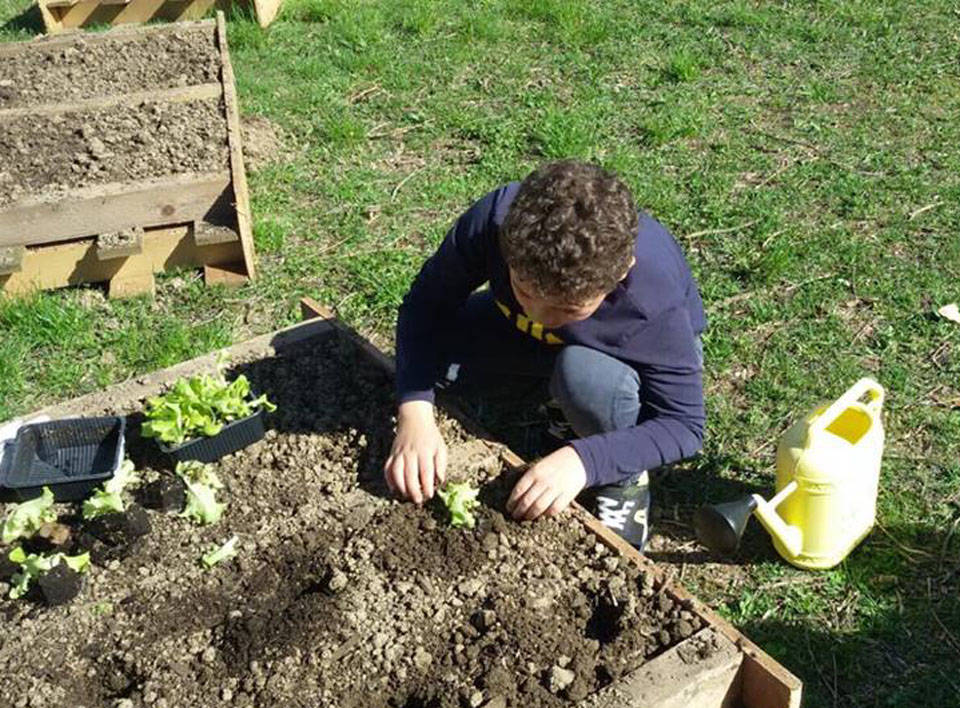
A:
{"x":624,"y":508}
{"x":559,"y":432}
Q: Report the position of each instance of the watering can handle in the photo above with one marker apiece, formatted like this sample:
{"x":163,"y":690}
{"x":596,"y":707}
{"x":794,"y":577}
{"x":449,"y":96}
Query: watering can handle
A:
{"x":854,"y":393}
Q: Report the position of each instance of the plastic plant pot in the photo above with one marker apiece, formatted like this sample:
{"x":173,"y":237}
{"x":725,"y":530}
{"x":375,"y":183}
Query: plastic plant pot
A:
{"x":70,"y":456}
{"x":234,"y":436}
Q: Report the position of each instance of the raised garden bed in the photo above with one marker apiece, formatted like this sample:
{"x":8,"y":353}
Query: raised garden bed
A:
{"x":341,"y":596}
{"x":132,"y":129}
{"x":83,"y":66}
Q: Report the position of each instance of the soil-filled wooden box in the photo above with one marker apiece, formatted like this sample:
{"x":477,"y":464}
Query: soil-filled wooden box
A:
{"x":60,"y":15}
{"x":120,"y":157}
{"x":343,"y":597}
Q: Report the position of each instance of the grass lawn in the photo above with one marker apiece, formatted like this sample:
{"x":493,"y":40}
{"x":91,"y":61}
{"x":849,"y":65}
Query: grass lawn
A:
{"x":804,"y":154}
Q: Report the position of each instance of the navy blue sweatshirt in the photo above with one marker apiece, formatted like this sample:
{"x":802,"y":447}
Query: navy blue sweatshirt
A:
{"x":649,"y":321}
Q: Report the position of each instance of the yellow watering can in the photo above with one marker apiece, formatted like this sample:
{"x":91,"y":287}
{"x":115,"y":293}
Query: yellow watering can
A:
{"x":828,"y":471}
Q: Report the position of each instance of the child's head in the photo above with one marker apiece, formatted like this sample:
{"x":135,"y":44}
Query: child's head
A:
{"x":568,"y":239}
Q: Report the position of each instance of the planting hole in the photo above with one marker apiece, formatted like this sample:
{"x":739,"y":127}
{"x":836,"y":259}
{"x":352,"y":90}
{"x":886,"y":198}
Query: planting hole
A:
{"x":604,"y":624}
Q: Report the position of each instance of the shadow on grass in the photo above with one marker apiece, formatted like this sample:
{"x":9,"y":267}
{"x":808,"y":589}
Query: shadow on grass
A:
{"x":883,"y":629}
{"x":27,"y":22}
{"x":903,"y":647}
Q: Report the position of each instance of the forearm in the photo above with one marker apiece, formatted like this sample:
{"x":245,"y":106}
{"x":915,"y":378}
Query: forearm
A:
{"x":418,"y":360}
{"x":616,"y":456}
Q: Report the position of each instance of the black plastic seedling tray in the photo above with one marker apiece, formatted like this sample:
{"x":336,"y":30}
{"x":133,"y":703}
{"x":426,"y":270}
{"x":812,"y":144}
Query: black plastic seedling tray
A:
{"x":234,"y":436}
{"x":70,"y":456}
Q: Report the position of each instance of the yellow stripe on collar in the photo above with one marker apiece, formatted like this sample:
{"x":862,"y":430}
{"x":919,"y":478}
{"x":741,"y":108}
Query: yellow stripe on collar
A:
{"x":528,"y":326}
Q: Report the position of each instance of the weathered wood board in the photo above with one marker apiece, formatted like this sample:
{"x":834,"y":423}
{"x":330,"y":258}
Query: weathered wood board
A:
{"x":64,"y":15}
{"x":59,"y":233}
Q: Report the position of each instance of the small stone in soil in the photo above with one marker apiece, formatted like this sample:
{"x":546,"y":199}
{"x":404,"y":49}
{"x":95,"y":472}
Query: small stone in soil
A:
{"x":560,"y":678}
{"x":60,"y":585}
{"x":337,"y":582}
{"x":422,"y":659}
{"x":470,"y":587}
{"x":54,"y":533}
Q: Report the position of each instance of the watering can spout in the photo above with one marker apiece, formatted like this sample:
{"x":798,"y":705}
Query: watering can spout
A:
{"x":789,"y":537}
{"x":720,"y":526}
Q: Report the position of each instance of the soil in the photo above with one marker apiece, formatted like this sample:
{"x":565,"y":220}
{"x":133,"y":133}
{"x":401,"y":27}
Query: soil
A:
{"x":47,"y":156}
{"x":91,"y":66}
{"x":9,"y":258}
{"x":340,"y":596}
{"x":115,"y":240}
{"x":262,"y":144}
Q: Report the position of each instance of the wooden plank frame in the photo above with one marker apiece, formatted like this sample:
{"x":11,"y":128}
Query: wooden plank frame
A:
{"x":750,"y":679}
{"x":238,"y":173}
{"x":169,"y":207}
{"x":114,"y":207}
{"x":65,"y":15}
{"x":64,"y":264}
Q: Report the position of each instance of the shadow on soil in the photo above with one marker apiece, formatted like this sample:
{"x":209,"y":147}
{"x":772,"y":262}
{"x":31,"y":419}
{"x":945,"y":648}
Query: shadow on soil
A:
{"x":309,"y":399}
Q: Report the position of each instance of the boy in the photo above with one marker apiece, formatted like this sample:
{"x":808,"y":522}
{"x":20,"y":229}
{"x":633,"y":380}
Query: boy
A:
{"x":584,"y":291}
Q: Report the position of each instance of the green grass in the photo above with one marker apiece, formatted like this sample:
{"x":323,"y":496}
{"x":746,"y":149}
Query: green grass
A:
{"x":790,"y":147}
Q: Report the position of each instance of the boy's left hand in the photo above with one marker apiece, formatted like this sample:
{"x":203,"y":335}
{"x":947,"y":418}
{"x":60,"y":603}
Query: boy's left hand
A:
{"x":549,"y":486}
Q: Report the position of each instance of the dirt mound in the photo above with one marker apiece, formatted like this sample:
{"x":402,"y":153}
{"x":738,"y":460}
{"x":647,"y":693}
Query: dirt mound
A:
{"x":262,"y":142}
{"x":86,"y":67}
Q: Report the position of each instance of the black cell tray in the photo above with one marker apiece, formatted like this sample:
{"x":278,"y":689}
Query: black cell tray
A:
{"x":70,"y":456}
{"x":234,"y":436}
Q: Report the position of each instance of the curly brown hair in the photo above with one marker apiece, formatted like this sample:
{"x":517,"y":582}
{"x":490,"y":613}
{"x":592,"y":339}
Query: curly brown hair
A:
{"x":570,"y":231}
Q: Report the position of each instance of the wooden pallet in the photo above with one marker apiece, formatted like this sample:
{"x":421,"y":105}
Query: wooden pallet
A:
{"x":182,"y":220}
{"x":738,"y":675}
{"x":63,"y":15}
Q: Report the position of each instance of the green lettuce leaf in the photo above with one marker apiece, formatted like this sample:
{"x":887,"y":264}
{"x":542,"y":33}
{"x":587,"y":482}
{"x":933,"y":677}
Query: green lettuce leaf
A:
{"x":26,"y":518}
{"x":124,"y":477}
{"x":109,"y":498}
{"x":101,"y":502}
{"x":218,"y":555}
{"x":200,"y":406}
{"x":460,"y":499}
{"x":34,"y":565}
{"x":202,"y":484}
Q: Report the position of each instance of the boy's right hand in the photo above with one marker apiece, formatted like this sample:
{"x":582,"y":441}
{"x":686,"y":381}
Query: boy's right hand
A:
{"x":417,"y":463}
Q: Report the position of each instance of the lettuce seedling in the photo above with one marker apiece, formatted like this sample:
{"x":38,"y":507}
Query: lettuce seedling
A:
{"x":26,"y":518}
{"x":218,"y":555}
{"x":202,"y":484}
{"x":200,"y":406}
{"x":109,"y":498}
{"x":101,"y":502}
{"x":34,"y":565}
{"x":460,"y":499}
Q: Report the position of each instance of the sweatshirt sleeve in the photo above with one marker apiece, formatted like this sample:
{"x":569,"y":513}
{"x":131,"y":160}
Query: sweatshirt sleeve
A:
{"x":445,"y":281}
{"x":672,"y":413}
